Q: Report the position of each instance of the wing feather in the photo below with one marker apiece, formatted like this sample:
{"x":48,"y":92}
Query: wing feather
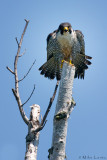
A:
{"x":80,"y":60}
{"x":50,"y":47}
{"x":80,"y":38}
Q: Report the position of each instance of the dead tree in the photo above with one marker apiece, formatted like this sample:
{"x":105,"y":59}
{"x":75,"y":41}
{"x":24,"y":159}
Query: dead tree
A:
{"x":34,"y":125}
{"x":64,"y":107}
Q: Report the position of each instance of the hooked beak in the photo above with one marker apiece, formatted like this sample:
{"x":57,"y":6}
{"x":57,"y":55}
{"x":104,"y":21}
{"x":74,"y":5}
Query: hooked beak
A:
{"x":66,"y":29}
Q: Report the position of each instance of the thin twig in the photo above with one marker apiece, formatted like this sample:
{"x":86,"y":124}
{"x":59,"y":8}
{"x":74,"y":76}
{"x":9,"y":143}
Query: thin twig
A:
{"x":22,"y":53}
{"x":49,"y":106}
{"x":28,"y":71}
{"x":10,"y":70}
{"x":27,"y":21}
{"x":50,"y":103}
{"x":17,"y":41}
{"x":29,"y":96}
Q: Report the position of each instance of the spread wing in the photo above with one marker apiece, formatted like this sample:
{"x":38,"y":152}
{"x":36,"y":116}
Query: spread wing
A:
{"x":80,"y":60}
{"x":52,"y":68}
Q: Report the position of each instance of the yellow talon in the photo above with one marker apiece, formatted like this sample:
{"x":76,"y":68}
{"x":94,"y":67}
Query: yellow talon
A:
{"x":70,"y":61}
{"x":62,"y":63}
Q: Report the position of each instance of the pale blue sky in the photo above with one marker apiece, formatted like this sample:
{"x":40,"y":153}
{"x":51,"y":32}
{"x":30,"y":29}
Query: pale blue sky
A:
{"x":87,"y":128}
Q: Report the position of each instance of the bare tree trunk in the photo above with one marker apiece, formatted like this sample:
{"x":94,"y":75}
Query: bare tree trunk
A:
{"x":64,"y":106}
{"x":32,"y":139}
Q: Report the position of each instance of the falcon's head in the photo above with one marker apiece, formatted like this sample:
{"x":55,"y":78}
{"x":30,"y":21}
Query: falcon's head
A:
{"x":65,"y":28}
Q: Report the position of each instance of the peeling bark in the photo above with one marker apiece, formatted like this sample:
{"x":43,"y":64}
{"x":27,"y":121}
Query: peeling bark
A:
{"x":64,"y":107}
{"x":32,"y":139}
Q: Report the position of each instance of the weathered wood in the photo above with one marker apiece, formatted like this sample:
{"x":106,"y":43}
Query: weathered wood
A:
{"x":32,"y":139}
{"x":64,"y":107}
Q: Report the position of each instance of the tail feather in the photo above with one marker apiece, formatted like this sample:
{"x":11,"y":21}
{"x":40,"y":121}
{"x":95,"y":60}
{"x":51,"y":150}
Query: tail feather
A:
{"x":87,"y":62}
{"x":50,"y":72}
{"x":58,"y":71}
{"x":88,"y":57}
{"x":53,"y":72}
{"x":81,"y":63}
{"x":51,"y":69}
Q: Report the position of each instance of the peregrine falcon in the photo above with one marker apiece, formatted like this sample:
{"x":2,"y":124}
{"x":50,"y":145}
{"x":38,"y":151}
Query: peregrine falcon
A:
{"x":65,"y":44}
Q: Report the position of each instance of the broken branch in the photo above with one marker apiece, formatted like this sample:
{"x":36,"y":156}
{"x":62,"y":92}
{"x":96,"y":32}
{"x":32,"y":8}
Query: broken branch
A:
{"x":10,"y":70}
{"x":43,"y":122}
{"x":50,"y":104}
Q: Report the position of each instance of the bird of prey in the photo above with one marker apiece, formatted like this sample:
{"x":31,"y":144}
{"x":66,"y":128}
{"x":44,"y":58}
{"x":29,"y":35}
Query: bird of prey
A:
{"x":65,"y":44}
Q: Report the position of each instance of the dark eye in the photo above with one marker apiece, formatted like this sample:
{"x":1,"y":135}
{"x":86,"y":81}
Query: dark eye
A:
{"x":70,"y":31}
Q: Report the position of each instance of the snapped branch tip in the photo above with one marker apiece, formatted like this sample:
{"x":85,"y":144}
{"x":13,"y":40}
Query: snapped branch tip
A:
{"x":27,"y":21}
{"x":10,"y":70}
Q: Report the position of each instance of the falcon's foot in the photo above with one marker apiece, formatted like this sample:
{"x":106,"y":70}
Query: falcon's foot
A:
{"x":62,"y":63}
{"x":71,"y":63}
